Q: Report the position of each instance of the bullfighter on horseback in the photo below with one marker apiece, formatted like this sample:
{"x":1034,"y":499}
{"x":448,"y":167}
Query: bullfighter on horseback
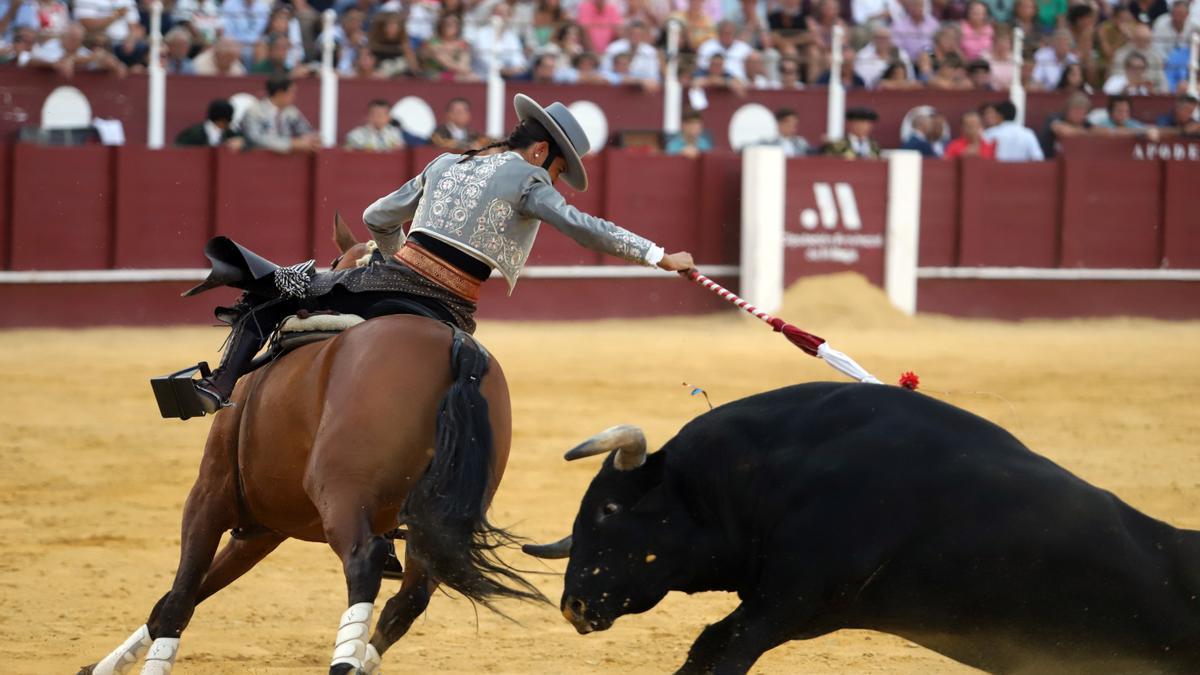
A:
{"x":470,"y":214}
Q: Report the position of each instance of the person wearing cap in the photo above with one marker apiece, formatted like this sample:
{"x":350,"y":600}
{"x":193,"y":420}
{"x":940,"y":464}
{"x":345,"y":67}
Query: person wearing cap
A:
{"x":471,"y":214}
{"x":857,"y":144}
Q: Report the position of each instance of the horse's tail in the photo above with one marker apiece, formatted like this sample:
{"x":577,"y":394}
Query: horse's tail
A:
{"x":446,"y":511}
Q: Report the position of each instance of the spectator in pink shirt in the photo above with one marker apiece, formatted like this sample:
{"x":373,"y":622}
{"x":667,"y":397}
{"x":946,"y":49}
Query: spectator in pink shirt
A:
{"x":913,"y":28}
{"x":601,"y":19}
{"x":977,"y":31}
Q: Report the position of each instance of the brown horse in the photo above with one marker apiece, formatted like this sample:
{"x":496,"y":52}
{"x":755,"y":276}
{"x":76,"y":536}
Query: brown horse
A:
{"x":400,"y":416}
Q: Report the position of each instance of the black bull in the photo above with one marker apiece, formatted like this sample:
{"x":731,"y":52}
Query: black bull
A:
{"x":829,"y":506}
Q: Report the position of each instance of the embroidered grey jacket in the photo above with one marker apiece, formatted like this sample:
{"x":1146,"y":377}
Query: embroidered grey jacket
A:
{"x":491,"y":207}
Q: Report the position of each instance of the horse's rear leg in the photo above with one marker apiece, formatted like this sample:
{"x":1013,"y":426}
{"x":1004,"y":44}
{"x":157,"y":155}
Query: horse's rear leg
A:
{"x":363,"y":554}
{"x":235,"y":559}
{"x":404,"y":607}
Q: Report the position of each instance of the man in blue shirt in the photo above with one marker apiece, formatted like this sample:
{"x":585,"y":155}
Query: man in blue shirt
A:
{"x":16,"y":14}
{"x":692,"y":140}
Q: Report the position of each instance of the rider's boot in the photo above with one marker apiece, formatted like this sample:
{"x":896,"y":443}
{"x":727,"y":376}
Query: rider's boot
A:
{"x":214,"y":391}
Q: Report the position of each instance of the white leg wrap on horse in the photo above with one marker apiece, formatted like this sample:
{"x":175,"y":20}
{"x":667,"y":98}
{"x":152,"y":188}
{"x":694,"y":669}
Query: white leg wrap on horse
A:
{"x":122,"y":658}
{"x":373,"y":661}
{"x":161,"y":657}
{"x":351,"y":645}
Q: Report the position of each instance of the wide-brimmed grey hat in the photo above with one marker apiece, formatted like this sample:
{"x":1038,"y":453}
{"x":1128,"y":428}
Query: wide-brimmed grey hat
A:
{"x":567,"y":134}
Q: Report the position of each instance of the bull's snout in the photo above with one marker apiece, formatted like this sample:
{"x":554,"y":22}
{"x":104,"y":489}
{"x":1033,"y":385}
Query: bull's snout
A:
{"x":574,"y":610}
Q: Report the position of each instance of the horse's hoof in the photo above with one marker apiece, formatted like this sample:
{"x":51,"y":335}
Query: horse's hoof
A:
{"x":344,"y":669}
{"x":86,"y":670}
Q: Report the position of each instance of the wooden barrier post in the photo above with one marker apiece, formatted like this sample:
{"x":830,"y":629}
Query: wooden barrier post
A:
{"x":1016,"y":91}
{"x":672,"y":92}
{"x":329,"y":82}
{"x":903,"y":235}
{"x":157,"y":80}
{"x":835,"y":112}
{"x":495,"y":86}
{"x":764,"y":183}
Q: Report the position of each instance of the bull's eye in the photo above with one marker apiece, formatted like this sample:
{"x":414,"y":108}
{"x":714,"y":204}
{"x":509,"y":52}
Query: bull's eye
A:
{"x":609,"y":509}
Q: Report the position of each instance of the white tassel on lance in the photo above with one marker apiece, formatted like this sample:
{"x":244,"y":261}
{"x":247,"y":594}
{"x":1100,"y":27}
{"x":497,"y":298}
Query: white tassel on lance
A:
{"x":350,"y":647}
{"x":845,"y":365}
{"x":161,"y":657}
{"x":121,"y":659}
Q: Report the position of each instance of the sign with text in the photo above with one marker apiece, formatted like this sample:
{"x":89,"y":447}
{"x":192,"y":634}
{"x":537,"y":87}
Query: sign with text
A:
{"x":1169,"y":148}
{"x":835,"y":216}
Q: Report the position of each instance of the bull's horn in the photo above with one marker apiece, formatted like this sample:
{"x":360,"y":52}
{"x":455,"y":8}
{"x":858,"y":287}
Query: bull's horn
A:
{"x":551,"y":551}
{"x":626,"y":439}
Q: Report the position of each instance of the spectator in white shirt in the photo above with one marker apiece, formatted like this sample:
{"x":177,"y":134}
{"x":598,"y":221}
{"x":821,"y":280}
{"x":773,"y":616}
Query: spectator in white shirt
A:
{"x":378,"y":134}
{"x":1049,"y":61}
{"x":223,"y":58}
{"x":866,"y":11}
{"x":67,"y":54}
{"x":727,"y":44}
{"x":1171,"y":30}
{"x":1014,"y":143}
{"x":510,"y":52}
{"x":1141,"y":42}
{"x":872,"y":61}
{"x":756,"y":72}
{"x":111,"y":16}
{"x":644,"y":61}
{"x":1134,"y":79}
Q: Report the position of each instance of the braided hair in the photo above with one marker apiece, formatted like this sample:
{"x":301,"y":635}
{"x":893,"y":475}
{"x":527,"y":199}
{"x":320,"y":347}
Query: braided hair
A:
{"x":525,"y":134}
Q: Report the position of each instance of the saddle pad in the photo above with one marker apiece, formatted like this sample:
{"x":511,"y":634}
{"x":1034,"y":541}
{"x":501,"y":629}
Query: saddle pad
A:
{"x":320,"y":323}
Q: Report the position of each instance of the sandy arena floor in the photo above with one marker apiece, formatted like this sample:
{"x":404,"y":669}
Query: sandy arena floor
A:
{"x":91,"y":482}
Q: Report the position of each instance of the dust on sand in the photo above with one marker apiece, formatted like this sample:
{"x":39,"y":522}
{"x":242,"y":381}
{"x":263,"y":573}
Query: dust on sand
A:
{"x":92,"y":483}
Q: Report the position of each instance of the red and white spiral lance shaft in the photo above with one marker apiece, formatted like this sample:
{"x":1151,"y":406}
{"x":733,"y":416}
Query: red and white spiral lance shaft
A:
{"x":811,"y":344}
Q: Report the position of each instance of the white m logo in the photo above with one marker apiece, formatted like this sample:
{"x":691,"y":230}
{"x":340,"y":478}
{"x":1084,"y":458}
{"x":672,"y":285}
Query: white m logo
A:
{"x":828,"y":207}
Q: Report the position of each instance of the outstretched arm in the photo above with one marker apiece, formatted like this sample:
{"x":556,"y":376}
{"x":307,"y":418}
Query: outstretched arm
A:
{"x":387,"y":216}
{"x":542,"y":201}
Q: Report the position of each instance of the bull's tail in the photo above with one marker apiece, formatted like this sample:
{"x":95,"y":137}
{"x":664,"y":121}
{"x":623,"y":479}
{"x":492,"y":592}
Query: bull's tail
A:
{"x":446,"y":512}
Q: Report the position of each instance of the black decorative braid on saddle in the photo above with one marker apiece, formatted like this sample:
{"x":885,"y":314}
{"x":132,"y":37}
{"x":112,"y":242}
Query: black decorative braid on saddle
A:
{"x":293,"y":281}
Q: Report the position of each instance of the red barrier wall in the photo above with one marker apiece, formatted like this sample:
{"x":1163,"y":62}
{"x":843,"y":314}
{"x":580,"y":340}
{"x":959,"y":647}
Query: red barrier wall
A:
{"x":62,"y":207}
{"x":5,"y":201}
{"x":1181,"y":218}
{"x":1175,"y":148}
{"x":1033,"y":299}
{"x":349,"y":182}
{"x":164,"y":206}
{"x":1111,"y":212}
{"x":940,"y":197}
{"x":1009,"y":213}
{"x":98,"y":208}
{"x":264,"y":201}
{"x":654,"y":196}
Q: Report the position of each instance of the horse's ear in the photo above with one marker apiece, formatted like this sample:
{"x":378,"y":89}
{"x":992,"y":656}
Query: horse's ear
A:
{"x":342,"y":236}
